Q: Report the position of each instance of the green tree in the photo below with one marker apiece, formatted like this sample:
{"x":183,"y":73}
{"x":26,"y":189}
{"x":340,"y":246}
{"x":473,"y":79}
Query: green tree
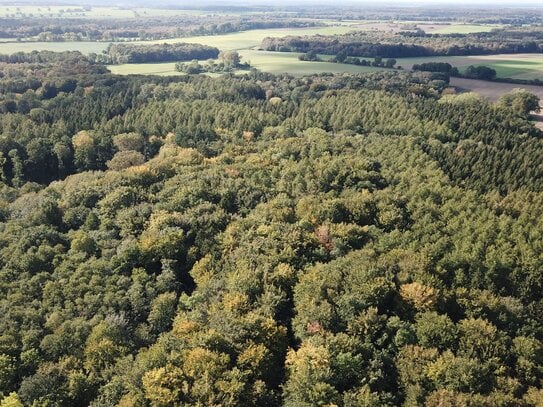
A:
{"x":129,"y":142}
{"x":436,"y":331}
{"x":17,"y":168}
{"x":162,"y":312}
{"x":125,"y":159}
{"x":8,"y":369}
{"x":520,"y":101}
{"x":231,"y":59}
{"x":11,"y":400}
{"x":460,"y":374}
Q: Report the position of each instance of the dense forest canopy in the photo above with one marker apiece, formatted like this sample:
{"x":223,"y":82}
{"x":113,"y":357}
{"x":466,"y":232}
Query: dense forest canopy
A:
{"x":227,"y":237}
{"x":258,"y":240}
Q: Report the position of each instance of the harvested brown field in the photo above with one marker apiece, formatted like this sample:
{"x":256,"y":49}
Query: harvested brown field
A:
{"x":493,"y":91}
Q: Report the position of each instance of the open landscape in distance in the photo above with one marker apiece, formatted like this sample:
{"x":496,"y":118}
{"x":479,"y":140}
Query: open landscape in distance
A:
{"x":227,"y":203}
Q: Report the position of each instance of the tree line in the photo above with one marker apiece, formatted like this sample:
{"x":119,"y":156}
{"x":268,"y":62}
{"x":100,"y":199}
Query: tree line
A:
{"x":132,"y":53}
{"x":412,"y":44}
{"x":140,"y":27}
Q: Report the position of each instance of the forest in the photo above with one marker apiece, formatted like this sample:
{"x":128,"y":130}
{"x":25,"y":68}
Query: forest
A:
{"x":415,"y":43}
{"x":52,"y":29}
{"x":438,"y":13}
{"x":132,"y":53}
{"x":258,"y":240}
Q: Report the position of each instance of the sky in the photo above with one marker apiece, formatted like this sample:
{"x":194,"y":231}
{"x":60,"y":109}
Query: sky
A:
{"x":403,"y":3}
{"x":512,"y":3}
{"x":469,"y":2}
{"x":376,"y":2}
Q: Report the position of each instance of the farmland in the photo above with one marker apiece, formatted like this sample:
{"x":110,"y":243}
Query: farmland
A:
{"x":272,"y":62}
{"x":253,"y":38}
{"x":518,"y":66}
{"x":85,"y":47}
{"x":492,"y":90}
{"x":281,"y":62}
{"x":166,"y":68}
{"x":239,"y":40}
{"x":454,"y":28}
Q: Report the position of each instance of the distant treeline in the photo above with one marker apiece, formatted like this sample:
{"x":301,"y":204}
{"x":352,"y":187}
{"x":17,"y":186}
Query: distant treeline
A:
{"x":25,"y":77}
{"x":138,"y":28}
{"x":435,"y":67}
{"x":443,"y":14}
{"x":342,"y":58}
{"x":471,"y":72}
{"x":132,"y":53}
{"x":229,"y":61}
{"x":40,"y":57}
{"x":412,"y":44}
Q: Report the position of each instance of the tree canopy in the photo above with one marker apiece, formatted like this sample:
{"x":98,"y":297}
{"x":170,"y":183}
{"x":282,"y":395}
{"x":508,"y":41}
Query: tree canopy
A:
{"x":260,"y":240}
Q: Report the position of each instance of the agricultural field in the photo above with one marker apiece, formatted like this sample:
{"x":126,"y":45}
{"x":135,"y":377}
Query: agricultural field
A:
{"x":492,"y":90}
{"x":247,"y":43}
{"x":517,"y":66}
{"x":85,"y":47}
{"x":163,"y":69}
{"x":232,"y":41}
{"x":522,"y":66}
{"x":253,"y":38}
{"x":272,"y":62}
{"x":432,"y":28}
{"x":455,"y":28}
{"x":281,"y":62}
{"x":369,"y":25}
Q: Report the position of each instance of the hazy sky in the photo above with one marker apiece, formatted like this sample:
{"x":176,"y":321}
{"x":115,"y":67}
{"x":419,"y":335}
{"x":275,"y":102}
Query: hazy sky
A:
{"x":403,"y":3}
{"x":515,"y":3}
{"x":380,"y":2}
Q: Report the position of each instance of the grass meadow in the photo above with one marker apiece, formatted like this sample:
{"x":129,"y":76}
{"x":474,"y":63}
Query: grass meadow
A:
{"x":517,"y":66}
{"x":233,"y":41}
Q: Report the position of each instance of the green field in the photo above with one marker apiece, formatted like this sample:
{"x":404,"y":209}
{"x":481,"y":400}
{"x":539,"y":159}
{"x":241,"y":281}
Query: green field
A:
{"x":521,"y":66}
{"x":253,"y":38}
{"x":239,"y":40}
{"x":281,"y":62}
{"x":86,"y":47}
{"x":455,"y":28}
{"x":518,"y":66}
{"x":167,"y":68}
{"x":272,"y":62}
